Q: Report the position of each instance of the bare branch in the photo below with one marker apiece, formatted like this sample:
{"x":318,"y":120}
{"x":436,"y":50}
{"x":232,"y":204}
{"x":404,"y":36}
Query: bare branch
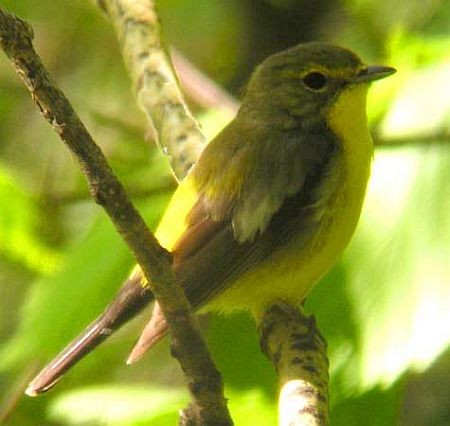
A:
{"x":201,"y":88}
{"x":293,"y":343}
{"x":204,"y":379}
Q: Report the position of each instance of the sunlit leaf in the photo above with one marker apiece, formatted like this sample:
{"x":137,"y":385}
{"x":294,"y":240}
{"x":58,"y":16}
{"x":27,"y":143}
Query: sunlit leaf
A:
{"x":61,"y":305}
{"x":252,"y":406}
{"x":234,"y":344}
{"x":117,"y":405}
{"x":422,"y":103}
{"x":138,"y":405}
{"x":18,"y":240}
{"x":398,"y":264}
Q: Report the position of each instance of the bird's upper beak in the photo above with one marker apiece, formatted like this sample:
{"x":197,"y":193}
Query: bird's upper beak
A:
{"x":373,"y":72}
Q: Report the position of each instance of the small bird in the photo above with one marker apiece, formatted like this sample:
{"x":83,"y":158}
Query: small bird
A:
{"x":269,"y":206}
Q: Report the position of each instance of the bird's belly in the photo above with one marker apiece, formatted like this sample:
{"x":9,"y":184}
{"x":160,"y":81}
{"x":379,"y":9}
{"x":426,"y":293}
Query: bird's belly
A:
{"x":293,"y":269}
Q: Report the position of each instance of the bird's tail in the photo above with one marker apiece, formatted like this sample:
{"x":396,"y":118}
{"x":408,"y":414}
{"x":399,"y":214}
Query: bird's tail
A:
{"x":129,"y":301}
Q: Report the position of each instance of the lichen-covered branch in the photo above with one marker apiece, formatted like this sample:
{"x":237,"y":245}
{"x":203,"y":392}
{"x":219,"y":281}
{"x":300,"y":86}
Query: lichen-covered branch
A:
{"x":139,"y":33}
{"x":205,"y":381}
{"x":293,"y":343}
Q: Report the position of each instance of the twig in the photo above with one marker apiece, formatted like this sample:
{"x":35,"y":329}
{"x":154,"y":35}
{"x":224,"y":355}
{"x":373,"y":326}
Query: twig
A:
{"x":439,"y":137}
{"x":293,"y":343}
{"x":204,"y":379}
{"x":201,"y":88}
{"x":77,"y":196}
{"x":138,"y":30}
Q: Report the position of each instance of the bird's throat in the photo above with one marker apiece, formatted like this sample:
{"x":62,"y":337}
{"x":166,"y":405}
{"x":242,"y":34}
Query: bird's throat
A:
{"x":347,"y":119}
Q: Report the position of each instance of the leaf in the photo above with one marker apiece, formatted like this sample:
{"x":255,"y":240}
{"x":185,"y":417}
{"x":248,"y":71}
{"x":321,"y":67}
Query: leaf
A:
{"x":417,"y":112}
{"x":252,"y":406}
{"x":233,"y":342}
{"x":376,"y":407}
{"x":398,"y":264}
{"x":59,"y":306}
{"x":139,"y":405}
{"x":18,"y":241}
{"x":117,"y":405}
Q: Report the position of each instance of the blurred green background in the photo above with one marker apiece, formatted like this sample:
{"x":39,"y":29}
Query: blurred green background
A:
{"x":384,"y":309}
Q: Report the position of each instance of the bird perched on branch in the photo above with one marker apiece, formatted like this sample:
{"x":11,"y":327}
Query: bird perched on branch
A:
{"x":271,"y":203}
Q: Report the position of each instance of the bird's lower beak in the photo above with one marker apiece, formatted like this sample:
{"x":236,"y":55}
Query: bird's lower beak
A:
{"x":374,"y":72}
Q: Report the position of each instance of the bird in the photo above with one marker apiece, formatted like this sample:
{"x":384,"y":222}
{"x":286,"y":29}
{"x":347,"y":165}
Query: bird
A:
{"x":269,"y":206}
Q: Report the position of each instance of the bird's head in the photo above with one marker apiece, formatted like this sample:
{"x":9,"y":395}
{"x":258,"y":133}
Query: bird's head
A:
{"x":306,"y":79}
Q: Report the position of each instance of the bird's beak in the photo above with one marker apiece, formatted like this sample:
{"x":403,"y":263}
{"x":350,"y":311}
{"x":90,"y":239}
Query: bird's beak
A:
{"x":373,"y":72}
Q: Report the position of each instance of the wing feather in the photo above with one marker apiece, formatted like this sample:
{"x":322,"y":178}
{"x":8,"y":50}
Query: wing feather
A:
{"x":217,"y":246}
{"x":241,"y":216}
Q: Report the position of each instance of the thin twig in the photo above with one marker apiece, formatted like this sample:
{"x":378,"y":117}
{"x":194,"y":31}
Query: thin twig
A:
{"x":204,"y":379}
{"x":293,"y":343}
{"x":439,"y":137}
{"x":202,"y":90}
{"x":135,"y":193}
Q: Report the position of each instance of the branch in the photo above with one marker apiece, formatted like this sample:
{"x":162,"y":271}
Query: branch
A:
{"x":134,"y":193}
{"x":293,"y":343}
{"x":201,"y":88}
{"x":139,"y":33}
{"x":204,"y":379}
{"x":439,"y":137}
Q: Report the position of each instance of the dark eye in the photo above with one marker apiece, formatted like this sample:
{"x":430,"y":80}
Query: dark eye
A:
{"x":315,"y":80}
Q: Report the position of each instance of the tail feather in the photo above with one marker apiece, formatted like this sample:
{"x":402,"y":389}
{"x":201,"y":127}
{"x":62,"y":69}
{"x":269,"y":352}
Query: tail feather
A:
{"x":153,"y":332}
{"x":130,"y":300}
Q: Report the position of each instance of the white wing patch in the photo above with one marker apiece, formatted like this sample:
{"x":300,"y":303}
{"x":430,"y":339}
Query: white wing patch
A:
{"x":256,"y":211}
{"x":249,"y":221}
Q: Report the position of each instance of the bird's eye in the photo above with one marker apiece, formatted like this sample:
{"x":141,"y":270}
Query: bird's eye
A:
{"x":315,"y":80}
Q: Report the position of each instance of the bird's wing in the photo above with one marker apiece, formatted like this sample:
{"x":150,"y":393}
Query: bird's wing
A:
{"x":228,"y":233}
{"x":246,"y":199}
{"x":229,"y":227}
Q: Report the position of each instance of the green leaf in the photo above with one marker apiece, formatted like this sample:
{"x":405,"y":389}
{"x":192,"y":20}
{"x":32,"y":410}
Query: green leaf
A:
{"x":252,"y":407}
{"x":59,"y":306}
{"x":376,"y":407}
{"x":118,"y":405}
{"x":233,"y":342}
{"x":18,"y":216}
{"x":421,"y":104}
{"x":139,"y":405}
{"x":398,"y":264}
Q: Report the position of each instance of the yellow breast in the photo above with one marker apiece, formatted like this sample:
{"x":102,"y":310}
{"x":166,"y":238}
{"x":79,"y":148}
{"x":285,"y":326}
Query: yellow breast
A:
{"x":173,"y":223}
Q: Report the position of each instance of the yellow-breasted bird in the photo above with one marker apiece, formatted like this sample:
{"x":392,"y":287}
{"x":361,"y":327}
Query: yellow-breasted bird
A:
{"x":271,"y":203}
